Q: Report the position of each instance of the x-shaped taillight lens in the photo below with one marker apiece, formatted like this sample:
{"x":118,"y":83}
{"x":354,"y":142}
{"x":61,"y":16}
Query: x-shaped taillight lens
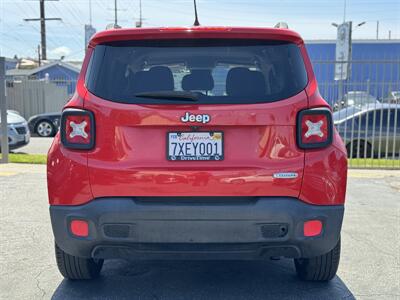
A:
{"x":77,"y":129}
{"x":314,"y":128}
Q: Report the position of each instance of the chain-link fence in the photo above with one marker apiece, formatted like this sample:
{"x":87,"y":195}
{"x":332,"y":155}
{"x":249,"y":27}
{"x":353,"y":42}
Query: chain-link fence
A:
{"x":366,"y":109}
{"x":366,"y":106}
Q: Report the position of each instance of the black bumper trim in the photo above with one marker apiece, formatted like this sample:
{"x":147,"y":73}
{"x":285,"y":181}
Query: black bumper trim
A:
{"x":131,"y":228}
{"x":17,"y":145}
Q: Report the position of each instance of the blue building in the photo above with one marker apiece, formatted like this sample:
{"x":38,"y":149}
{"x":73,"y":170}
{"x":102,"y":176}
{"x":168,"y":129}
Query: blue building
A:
{"x":11,"y":63}
{"x":374,"y":67}
{"x":57,"y":72}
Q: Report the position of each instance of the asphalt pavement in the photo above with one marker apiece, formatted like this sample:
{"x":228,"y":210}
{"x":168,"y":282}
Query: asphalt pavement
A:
{"x":369,"y":267}
{"x":37,"y":145}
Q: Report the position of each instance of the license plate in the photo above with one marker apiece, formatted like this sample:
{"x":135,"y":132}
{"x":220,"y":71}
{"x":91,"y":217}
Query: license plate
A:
{"x":195,"y":145}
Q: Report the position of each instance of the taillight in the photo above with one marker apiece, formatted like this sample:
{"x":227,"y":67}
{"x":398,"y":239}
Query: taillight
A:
{"x":77,"y":129}
{"x":314,"y":128}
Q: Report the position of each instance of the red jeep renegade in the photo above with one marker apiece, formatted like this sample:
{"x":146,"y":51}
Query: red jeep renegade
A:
{"x":197,"y":143}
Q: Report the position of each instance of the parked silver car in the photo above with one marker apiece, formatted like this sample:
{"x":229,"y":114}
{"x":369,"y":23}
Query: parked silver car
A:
{"x":355,"y":98}
{"x":369,"y":131}
{"x":18,"y":131}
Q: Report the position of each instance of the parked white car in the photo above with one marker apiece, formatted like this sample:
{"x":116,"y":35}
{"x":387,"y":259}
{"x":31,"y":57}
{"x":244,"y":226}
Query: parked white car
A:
{"x":18,"y":131}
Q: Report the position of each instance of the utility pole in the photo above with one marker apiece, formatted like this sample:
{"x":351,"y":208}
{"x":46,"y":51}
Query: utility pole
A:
{"x":115,"y":13}
{"x":377,"y":30}
{"x":39,"y":58}
{"x":43,"y":20}
{"x":139,"y":23}
{"x":140,"y":13}
{"x":89,"y":30}
{"x":115,"y":9}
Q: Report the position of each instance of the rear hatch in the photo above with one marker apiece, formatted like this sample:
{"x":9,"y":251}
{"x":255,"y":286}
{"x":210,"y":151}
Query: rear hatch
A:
{"x":196,"y":117}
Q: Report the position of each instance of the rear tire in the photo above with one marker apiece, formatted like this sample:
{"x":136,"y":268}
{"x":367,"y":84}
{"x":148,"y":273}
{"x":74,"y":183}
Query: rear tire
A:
{"x":365,"y":148}
{"x":77,"y":268}
{"x":45,"y":129}
{"x":319,"y":268}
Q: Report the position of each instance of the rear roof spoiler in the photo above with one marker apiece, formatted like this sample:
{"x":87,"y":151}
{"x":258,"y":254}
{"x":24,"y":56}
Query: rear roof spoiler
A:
{"x":124,"y":34}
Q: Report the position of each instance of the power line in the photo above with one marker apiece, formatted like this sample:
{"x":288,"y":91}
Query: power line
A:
{"x":74,"y":34}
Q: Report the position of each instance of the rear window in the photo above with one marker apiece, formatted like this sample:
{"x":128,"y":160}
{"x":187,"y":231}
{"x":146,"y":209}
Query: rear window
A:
{"x":206,"y":71}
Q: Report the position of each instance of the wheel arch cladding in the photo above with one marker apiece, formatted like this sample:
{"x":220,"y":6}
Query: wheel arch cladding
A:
{"x":325,"y":175}
{"x":67,"y":175}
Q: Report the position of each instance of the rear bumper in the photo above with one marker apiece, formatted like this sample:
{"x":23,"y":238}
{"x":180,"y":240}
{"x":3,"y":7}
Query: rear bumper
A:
{"x":17,"y":145}
{"x":190,"y":228}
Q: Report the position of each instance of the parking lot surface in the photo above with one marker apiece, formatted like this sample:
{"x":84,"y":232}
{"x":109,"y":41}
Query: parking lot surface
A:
{"x":37,"y":145}
{"x":369,"y":268}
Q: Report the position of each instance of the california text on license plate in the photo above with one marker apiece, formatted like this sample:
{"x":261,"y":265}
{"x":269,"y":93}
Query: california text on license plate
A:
{"x":195,"y":145}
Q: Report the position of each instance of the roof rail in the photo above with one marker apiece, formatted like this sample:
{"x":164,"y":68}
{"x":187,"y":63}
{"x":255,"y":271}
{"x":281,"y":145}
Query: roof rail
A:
{"x":283,"y":25}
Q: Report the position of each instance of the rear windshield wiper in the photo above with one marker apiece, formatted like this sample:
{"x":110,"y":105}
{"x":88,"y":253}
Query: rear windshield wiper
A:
{"x":170,"y":95}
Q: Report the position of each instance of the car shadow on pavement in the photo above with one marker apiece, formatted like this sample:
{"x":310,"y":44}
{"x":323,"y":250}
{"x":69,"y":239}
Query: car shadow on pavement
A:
{"x":200,"y":280}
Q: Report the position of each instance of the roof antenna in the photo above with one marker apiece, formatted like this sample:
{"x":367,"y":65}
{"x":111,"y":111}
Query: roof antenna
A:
{"x":196,"y":20}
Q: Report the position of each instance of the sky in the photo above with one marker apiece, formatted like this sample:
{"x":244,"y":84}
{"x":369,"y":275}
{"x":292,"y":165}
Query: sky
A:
{"x":311,"y":18}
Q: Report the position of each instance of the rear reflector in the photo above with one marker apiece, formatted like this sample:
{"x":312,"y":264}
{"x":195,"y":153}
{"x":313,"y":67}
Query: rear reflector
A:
{"x":314,"y":128}
{"x":312,"y":228}
{"x":77,"y":129}
{"x":79,"y":228}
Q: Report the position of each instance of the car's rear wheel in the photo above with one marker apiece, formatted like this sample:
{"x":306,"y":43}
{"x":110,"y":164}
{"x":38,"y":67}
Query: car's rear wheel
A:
{"x":320,"y":268}
{"x":45,"y":129}
{"x":77,"y":268}
{"x":360,"y":149}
